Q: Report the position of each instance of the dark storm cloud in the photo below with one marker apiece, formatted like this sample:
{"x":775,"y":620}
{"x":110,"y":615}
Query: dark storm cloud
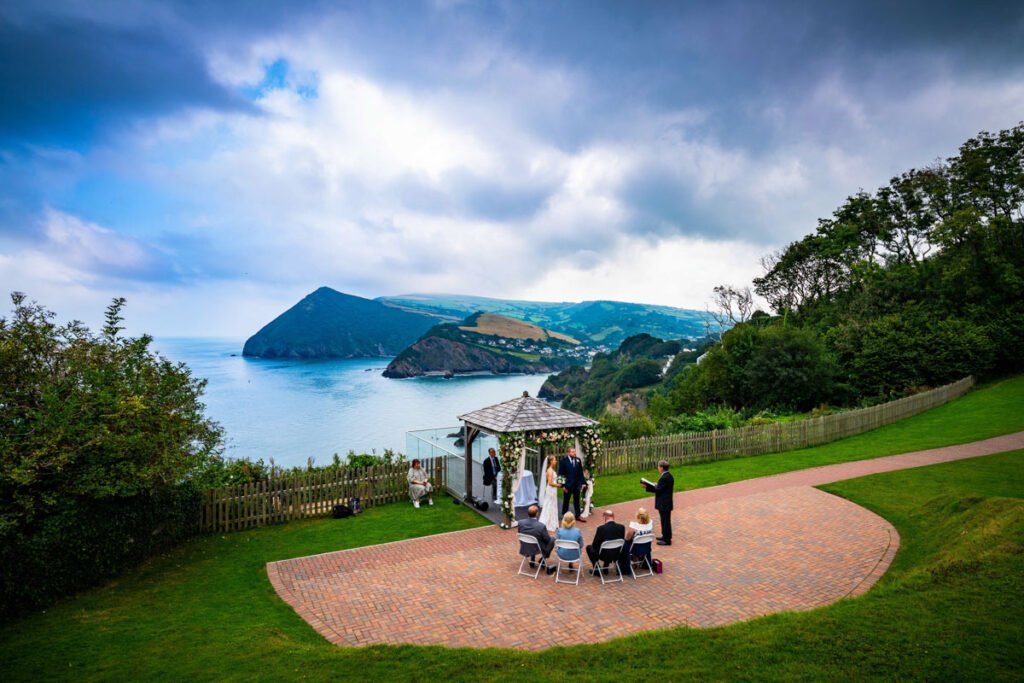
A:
{"x":564,"y":78}
{"x":730,"y":57}
{"x":67,"y":69}
{"x":63,"y":82}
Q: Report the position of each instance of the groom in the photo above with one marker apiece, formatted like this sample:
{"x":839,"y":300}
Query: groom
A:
{"x":571,"y":470}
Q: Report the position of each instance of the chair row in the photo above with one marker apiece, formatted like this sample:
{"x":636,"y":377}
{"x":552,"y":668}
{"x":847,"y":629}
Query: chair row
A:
{"x":609,"y":553}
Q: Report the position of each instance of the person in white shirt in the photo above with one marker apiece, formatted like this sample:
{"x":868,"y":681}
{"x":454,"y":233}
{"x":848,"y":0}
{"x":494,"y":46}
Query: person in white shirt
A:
{"x":641,"y":524}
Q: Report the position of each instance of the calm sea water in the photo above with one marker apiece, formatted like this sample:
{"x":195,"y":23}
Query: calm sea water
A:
{"x":291,"y":410}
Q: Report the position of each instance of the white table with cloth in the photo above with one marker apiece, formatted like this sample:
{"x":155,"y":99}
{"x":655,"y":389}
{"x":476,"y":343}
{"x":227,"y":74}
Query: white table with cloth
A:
{"x":527,"y":493}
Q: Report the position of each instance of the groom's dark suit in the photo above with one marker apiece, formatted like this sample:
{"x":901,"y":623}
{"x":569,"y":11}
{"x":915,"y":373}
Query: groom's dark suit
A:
{"x":491,"y":469}
{"x":571,"y":469}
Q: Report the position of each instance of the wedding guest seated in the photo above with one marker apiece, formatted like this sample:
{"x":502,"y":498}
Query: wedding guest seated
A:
{"x":641,"y":524}
{"x":531,"y":526}
{"x":609,"y":531}
{"x":419,"y":484}
{"x":569,"y":532}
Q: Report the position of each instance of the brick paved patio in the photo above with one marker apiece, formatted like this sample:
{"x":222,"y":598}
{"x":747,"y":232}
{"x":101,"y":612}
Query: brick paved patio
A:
{"x":741,"y":551}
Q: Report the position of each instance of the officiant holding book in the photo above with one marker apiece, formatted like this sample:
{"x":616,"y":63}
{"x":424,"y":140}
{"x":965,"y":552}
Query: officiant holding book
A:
{"x":662,"y":491}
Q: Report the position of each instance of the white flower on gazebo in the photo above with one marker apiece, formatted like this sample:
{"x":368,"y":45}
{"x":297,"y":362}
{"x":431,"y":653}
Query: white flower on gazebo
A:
{"x":527,"y":421}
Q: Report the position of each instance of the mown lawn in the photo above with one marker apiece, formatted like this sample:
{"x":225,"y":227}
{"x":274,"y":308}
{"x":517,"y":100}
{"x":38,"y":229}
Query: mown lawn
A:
{"x":949,"y":608}
{"x":990,"y":410}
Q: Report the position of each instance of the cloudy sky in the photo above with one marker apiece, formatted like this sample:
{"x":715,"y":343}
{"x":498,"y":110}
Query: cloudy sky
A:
{"x":213,"y":163}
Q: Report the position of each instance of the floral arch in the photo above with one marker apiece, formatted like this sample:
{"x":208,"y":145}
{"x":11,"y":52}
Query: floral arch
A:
{"x":528,"y":422}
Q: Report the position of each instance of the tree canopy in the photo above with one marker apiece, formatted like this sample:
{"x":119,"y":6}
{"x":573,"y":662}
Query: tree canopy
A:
{"x":914,"y":285}
{"x":90,"y":416}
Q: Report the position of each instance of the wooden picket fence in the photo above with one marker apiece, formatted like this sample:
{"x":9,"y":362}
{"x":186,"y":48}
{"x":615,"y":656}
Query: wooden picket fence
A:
{"x":634,"y":455}
{"x":313,"y":494}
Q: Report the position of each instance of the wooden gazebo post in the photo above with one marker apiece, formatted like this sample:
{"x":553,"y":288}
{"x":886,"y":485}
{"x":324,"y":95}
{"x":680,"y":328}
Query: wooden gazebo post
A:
{"x":469,"y":437}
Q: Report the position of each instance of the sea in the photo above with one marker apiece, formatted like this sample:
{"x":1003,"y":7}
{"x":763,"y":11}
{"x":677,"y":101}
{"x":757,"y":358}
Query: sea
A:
{"x":293,"y":410}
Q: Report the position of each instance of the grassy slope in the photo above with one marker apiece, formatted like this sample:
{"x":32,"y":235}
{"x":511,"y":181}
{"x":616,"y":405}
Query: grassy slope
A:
{"x":988,"y":411}
{"x":206,"y":609}
{"x":945,"y":609}
{"x":501,"y":326}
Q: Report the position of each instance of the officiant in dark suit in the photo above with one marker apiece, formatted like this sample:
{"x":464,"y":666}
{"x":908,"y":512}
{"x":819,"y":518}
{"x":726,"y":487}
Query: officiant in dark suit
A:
{"x":491,"y":469}
{"x":571,"y":471}
{"x":663,"y":501}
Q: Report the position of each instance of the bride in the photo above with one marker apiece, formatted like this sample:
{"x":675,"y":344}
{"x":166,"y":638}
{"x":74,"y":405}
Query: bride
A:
{"x":549,"y":516}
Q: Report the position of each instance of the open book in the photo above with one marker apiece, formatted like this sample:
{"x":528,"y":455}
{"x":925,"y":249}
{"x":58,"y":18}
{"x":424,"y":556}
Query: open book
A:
{"x":649,"y":483}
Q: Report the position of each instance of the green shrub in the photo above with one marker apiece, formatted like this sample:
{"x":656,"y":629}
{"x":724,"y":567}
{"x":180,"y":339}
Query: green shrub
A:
{"x":634,"y":426}
{"x":83,"y":541}
{"x":719,"y":417}
{"x":890,"y":355}
{"x":97,"y":434}
{"x":789,"y":370}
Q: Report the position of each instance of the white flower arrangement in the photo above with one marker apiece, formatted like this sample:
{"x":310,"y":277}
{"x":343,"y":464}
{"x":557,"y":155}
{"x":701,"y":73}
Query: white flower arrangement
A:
{"x":513,"y":444}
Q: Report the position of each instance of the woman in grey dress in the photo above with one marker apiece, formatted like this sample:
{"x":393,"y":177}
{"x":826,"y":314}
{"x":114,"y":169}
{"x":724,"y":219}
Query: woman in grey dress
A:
{"x":419,"y":484}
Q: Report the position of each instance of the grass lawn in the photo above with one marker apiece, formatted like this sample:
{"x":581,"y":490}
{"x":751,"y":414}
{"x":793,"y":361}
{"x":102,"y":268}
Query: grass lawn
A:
{"x":949,"y":608}
{"x":990,"y":410}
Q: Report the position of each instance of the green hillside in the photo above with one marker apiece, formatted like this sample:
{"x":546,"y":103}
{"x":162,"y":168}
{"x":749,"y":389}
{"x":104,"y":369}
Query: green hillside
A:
{"x":640,"y":361}
{"x":592,"y":322}
{"x":330,"y":324}
{"x":486,"y":342}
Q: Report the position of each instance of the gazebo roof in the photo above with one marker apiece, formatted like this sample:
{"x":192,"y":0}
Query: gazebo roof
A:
{"x":525,"y":414}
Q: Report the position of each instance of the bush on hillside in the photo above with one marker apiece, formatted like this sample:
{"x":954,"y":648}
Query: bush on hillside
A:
{"x":97,"y":434}
{"x":757,"y":367}
{"x":720,"y":417}
{"x":633,"y":426}
{"x":887,"y":356}
{"x":85,"y":540}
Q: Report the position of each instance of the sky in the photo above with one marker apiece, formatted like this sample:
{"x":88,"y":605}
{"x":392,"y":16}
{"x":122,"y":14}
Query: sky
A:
{"x":215,"y":162}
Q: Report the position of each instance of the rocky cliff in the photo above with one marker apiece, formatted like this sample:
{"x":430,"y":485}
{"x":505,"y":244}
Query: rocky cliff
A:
{"x":438,"y":356}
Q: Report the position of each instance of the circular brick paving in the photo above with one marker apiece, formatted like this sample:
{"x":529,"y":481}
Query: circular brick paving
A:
{"x":734,"y":559}
{"x":741,"y":551}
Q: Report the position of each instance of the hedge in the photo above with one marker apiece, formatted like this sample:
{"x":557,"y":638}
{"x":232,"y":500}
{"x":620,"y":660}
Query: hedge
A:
{"x":87,"y":541}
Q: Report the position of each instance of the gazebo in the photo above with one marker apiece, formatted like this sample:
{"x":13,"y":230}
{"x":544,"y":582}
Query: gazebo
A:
{"x":522,"y":422}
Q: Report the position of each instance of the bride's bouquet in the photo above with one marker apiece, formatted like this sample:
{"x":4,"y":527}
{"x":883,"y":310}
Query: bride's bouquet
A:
{"x":560,"y":480}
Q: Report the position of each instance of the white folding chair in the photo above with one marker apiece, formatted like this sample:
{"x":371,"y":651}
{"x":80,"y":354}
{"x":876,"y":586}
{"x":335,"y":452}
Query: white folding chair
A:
{"x":634,"y":561}
{"x":609,"y":545}
{"x":574,"y":547}
{"x":530,"y":540}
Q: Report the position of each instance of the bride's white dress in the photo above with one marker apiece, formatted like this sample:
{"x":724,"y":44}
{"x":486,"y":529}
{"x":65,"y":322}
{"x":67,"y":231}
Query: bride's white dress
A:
{"x":549,"y":511}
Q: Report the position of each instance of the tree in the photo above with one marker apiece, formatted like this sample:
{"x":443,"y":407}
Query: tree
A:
{"x":732,"y":306}
{"x":790,"y":369}
{"x":90,"y":417}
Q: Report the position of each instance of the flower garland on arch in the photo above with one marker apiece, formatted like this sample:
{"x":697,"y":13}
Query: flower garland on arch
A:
{"x":590,"y":442}
{"x":512,"y":445}
{"x":551,"y":436}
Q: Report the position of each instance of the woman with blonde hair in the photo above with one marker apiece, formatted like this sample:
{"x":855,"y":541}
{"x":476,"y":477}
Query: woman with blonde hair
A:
{"x":641,"y":524}
{"x":549,"y":495}
{"x":569,"y":532}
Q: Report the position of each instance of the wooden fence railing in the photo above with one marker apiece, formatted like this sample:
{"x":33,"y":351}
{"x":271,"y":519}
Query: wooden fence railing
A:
{"x":643,"y":454}
{"x":313,"y":494}
{"x":245,"y":506}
